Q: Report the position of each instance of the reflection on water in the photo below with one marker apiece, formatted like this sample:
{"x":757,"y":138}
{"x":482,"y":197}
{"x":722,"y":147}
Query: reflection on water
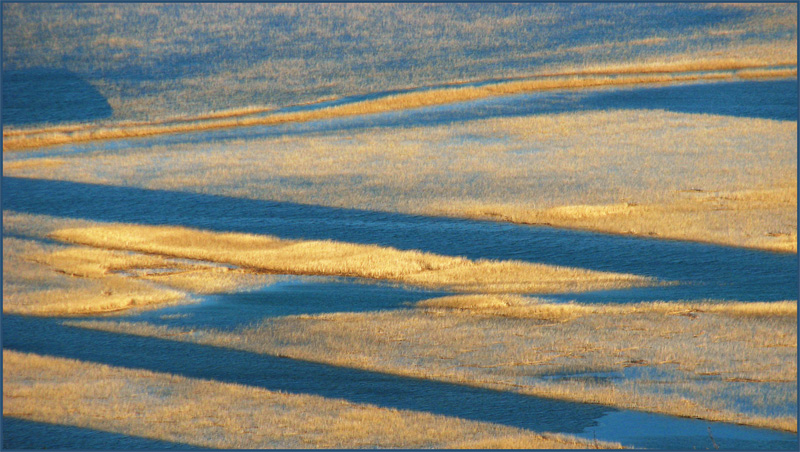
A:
{"x":22,"y":434}
{"x":705,"y":271}
{"x":50,"y":337}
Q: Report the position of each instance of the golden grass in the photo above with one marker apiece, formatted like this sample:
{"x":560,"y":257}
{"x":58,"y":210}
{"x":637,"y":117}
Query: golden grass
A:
{"x":327,"y":258}
{"x":766,"y":73}
{"x":694,"y":177}
{"x":34,"y":138}
{"x":50,"y":280}
{"x":30,"y":288}
{"x":516,"y":306}
{"x":695,"y":358}
{"x":722,"y":216}
{"x":211,"y":414}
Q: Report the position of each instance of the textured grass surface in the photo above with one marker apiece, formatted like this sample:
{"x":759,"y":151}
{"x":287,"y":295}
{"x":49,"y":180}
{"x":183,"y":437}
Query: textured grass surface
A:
{"x":236,"y":56}
{"x":41,"y":278}
{"x":698,"y":177}
{"x":35,"y":138}
{"x":328,"y":258}
{"x":732,"y":362}
{"x":211,"y":414}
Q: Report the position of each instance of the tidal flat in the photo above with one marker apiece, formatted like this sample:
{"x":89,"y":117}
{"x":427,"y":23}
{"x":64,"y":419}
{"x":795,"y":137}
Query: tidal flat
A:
{"x":536,"y":226}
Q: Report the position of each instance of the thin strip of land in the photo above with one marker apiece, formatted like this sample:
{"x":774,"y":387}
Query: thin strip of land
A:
{"x":694,"y":71}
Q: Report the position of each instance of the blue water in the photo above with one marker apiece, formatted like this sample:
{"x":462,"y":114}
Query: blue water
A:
{"x":294,"y":296}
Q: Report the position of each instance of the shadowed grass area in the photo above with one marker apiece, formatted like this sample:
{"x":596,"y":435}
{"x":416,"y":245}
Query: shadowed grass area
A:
{"x":213,"y":414}
{"x":732,"y":362}
{"x":34,"y":138}
{"x":274,"y":255}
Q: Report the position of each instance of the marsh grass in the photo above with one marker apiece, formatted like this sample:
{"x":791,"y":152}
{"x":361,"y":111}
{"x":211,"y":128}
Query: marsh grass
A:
{"x":41,"y":278}
{"x":732,"y":218}
{"x":211,"y":414}
{"x":238,"y":55}
{"x":327,"y":258}
{"x":700,"y":359}
{"x":33,"y":138}
{"x":33,"y":288}
{"x":700,"y":177}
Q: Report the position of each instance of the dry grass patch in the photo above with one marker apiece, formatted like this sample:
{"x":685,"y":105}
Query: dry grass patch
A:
{"x":33,"y":288}
{"x":270,"y":254}
{"x":646,"y":173}
{"x":731,"y":362}
{"x":211,"y":414}
{"x":742,"y":218}
{"x":45,"y":279}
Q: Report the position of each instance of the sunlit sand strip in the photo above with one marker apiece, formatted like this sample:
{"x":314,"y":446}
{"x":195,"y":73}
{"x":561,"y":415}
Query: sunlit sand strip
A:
{"x":211,"y":414}
{"x":415,"y":99}
{"x":694,"y":357}
{"x":328,"y":258}
{"x":772,"y":67}
{"x":725,"y":218}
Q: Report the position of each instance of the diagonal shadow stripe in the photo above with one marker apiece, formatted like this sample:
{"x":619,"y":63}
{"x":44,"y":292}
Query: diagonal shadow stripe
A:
{"x":771,"y":99}
{"x":708,"y":271}
{"x":25,"y":434}
{"x":50,"y":337}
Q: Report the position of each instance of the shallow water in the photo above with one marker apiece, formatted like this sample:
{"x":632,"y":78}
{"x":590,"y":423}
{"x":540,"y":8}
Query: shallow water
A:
{"x":50,"y":337}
